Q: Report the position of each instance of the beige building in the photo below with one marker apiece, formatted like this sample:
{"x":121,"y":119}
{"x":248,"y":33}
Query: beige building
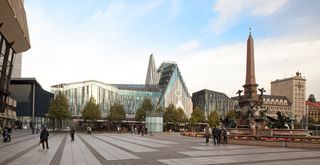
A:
{"x":294,"y":88}
{"x":275,"y":104}
{"x":14,"y":39}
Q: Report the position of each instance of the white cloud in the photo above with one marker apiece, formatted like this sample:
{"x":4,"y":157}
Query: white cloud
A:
{"x":101,"y":48}
{"x":229,"y":12}
{"x":223,"y":68}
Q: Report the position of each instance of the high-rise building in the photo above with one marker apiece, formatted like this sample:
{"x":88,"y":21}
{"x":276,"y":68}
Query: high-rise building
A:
{"x":209,"y":101}
{"x":166,"y":88}
{"x":294,"y":88}
{"x":14,"y":39}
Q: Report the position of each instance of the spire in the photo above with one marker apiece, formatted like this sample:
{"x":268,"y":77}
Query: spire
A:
{"x":250,"y":74}
{"x":152,"y":74}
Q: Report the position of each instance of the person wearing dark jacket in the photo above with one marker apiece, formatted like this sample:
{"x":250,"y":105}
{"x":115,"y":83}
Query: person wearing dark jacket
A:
{"x":44,"y":137}
{"x":215,"y":135}
{"x":72,"y":131}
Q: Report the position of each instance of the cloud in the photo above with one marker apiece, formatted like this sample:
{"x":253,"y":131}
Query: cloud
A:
{"x":229,"y":12}
{"x":111,"y":45}
{"x":223,"y":68}
{"x":100,"y":48}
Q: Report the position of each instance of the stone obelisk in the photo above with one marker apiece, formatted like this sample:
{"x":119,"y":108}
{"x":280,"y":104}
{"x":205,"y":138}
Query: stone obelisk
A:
{"x":250,"y":101}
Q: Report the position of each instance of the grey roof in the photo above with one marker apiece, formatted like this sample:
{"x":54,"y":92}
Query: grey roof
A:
{"x":138,"y":87}
{"x":277,"y":97}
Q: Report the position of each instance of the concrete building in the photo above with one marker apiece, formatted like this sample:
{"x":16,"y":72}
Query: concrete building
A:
{"x":16,"y":70}
{"x":14,"y":39}
{"x":209,"y":101}
{"x":294,"y":88}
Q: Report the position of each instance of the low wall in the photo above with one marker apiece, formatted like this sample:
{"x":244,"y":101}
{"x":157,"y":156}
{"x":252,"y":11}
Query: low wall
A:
{"x":268,"y":132}
{"x":275,"y":144}
{"x":281,"y":139}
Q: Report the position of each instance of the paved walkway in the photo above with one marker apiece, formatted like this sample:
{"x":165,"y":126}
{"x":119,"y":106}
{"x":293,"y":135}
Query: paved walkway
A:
{"x":103,"y":148}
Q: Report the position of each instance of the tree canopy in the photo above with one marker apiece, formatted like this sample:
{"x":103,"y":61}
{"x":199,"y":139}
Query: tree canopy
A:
{"x":117,"y":112}
{"x":181,"y":116}
{"x":169,"y":114}
{"x":197,"y":116}
{"x":91,"y":110}
{"x":58,"y":108}
{"x":146,"y":106}
{"x":173,"y":114}
{"x":213,"y":118}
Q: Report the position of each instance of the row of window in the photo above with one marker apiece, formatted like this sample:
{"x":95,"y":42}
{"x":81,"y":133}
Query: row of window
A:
{"x":275,"y":101}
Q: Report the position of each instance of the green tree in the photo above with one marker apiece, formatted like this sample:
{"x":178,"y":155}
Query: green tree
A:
{"x":117,"y":112}
{"x":58,"y":109}
{"x":170,"y":116}
{"x":197,"y":116}
{"x":232,"y":114}
{"x":181,"y":116}
{"x":159,"y":109}
{"x":213,"y":118}
{"x":91,"y":111}
{"x":146,"y":106}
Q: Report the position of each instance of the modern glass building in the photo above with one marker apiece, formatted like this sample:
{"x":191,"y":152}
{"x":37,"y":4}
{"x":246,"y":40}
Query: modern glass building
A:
{"x":163,"y":86}
{"x":32,"y":101}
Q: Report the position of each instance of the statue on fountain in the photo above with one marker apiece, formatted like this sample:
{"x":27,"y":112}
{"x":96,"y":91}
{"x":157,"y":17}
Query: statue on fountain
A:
{"x":282,"y":121}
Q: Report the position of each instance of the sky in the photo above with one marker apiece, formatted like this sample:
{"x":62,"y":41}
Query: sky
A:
{"x":111,"y":41}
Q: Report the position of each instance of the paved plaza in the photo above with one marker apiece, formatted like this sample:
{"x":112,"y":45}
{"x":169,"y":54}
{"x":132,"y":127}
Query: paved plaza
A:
{"x":106,"y":148}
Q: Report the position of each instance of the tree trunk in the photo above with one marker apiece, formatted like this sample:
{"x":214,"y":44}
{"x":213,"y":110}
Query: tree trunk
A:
{"x":54,"y":124}
{"x":60,"y":124}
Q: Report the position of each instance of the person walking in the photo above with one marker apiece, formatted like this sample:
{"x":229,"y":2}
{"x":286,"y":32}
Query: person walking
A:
{"x":10,"y":132}
{"x":219,"y":135}
{"x":215,"y":131}
{"x":5,"y":134}
{"x":207,"y":133}
{"x":72,"y":131}
{"x":225,"y":135}
{"x":44,"y":137}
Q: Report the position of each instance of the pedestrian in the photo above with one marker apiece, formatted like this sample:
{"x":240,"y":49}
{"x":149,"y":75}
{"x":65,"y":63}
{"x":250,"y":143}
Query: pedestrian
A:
{"x":219,"y":135}
{"x":89,"y":130}
{"x":207,"y":133}
{"x":215,"y":135}
{"x":10,"y":132}
{"x":72,"y":131}
{"x":44,"y":137}
{"x":225,"y":135}
{"x":142,"y":130}
{"x":5,"y":134}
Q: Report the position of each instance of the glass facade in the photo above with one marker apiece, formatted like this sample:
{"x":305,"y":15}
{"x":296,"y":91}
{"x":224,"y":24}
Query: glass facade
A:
{"x":131,"y":96}
{"x":170,"y":89}
{"x":6,"y":63}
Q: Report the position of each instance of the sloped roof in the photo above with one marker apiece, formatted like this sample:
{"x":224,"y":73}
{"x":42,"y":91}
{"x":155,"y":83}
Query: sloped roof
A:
{"x":316,"y":105}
